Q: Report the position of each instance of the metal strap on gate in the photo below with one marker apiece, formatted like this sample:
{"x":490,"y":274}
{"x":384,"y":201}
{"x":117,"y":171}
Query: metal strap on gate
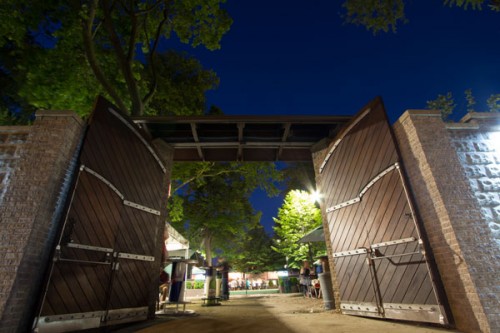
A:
{"x":350,"y":253}
{"x":102,"y":179}
{"x":132,"y":256}
{"x":122,"y":197}
{"x":364,"y":189}
{"x":393,"y":242}
{"x":140,"y":207}
{"x":344,"y":133}
{"x":133,"y":129}
{"x":89,"y":247}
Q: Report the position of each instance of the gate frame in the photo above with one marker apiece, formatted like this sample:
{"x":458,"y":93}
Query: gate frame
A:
{"x":455,"y":234}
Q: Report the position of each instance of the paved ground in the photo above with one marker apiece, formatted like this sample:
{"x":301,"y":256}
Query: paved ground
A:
{"x":279,"y":313}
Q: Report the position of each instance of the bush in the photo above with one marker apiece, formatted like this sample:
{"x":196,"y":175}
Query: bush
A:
{"x":271,"y":283}
{"x":199,"y":284}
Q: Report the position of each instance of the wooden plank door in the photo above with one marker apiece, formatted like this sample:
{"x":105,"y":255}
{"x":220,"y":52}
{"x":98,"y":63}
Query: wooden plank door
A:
{"x":382,"y":266}
{"x":103,"y":269}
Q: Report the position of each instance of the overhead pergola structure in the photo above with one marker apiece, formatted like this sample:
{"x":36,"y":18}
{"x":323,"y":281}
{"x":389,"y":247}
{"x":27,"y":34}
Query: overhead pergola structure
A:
{"x":242,"y":138}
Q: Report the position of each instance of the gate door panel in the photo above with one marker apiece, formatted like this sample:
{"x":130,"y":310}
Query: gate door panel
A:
{"x":103,"y":271}
{"x":380,"y":262}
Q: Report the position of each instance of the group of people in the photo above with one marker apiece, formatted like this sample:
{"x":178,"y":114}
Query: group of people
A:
{"x":240,"y":284}
{"x":309,"y":282}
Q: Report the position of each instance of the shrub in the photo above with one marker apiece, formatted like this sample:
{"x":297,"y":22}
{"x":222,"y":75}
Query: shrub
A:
{"x":199,"y":284}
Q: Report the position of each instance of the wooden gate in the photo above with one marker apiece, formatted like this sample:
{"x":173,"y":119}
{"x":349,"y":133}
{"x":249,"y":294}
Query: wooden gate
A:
{"x":105,"y":264}
{"x":379,"y":254}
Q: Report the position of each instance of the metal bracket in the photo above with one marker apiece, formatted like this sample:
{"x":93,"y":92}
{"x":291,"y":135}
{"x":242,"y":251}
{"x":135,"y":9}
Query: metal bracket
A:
{"x":344,"y":133}
{"x":132,"y":256}
{"x":140,"y":137}
{"x":393,"y":242}
{"x":141,"y":207}
{"x":104,"y":180}
{"x":350,"y":253}
{"x":89,"y":247}
{"x":364,"y":189}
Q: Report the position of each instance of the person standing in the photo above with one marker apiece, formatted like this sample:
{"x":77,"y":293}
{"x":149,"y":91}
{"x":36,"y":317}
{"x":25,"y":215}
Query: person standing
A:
{"x":305,"y":280}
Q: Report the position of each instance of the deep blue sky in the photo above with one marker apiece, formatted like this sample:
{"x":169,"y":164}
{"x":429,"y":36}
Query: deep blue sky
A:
{"x":299,"y":58}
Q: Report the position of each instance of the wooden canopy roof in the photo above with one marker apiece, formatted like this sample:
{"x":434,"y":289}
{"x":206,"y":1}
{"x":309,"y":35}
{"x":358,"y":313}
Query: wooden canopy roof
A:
{"x":242,"y":138}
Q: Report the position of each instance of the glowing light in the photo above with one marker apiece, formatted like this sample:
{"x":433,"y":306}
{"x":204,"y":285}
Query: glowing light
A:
{"x":495,"y":140}
{"x":315,"y":196}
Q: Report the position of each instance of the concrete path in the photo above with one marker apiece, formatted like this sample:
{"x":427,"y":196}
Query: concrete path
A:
{"x":274,"y":314}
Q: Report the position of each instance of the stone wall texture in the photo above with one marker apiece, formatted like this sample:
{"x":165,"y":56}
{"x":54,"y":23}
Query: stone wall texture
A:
{"x":12,"y":140}
{"x":453,"y":173}
{"x":38,"y":177}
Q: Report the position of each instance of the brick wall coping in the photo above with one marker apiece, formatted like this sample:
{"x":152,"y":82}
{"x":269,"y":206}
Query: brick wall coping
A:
{"x":480,"y":115}
{"x":461,"y":126}
{"x":419,"y":113}
{"x":22,"y":129}
{"x":62,"y":113}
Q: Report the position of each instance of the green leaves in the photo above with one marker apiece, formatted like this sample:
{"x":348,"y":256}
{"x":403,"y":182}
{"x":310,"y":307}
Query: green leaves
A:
{"x":375,"y":15}
{"x":297,"y":216}
{"x":216,"y":201}
{"x":92,"y":50}
{"x":385,"y":15}
{"x":444,"y":104}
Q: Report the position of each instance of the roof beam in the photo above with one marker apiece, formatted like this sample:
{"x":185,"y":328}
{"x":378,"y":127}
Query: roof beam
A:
{"x":239,"y":156}
{"x":284,"y":138}
{"x":197,"y":141}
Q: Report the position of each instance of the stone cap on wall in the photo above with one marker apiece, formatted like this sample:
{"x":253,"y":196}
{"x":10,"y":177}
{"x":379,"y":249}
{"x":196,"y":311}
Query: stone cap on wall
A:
{"x":59,"y":113}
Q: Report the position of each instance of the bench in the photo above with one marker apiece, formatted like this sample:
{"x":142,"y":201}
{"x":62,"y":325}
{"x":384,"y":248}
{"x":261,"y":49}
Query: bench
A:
{"x":210,"y":301}
{"x":183,"y":303}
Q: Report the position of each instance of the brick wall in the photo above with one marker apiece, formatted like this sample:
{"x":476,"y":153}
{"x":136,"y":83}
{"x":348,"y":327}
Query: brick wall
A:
{"x":447,"y":167}
{"x":12,"y":140}
{"x":38,"y":182}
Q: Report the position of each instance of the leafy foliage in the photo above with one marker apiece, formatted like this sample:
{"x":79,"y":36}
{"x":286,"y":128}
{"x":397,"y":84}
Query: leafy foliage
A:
{"x":215,"y":197}
{"x":375,"y":15}
{"x":385,"y":15}
{"x":67,"y":52}
{"x":296,"y":217}
{"x":446,"y":103}
{"x":493,"y":103}
{"x":252,"y":252}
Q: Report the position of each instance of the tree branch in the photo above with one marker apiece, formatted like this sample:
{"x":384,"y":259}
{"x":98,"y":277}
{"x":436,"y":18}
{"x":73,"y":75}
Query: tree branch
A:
{"x":91,"y":57}
{"x":218,"y":173}
{"x":152,"y":56}
{"x":137,"y":106}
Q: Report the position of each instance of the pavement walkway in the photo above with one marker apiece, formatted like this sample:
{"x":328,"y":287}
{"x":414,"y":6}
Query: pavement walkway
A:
{"x":275,"y":313}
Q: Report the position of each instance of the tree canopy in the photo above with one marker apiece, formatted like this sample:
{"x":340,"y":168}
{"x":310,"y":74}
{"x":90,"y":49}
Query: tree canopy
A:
{"x":386,"y":15}
{"x":447,"y":105}
{"x":61,"y":54}
{"x":211,"y":202}
{"x":296,"y":217}
{"x":252,"y":252}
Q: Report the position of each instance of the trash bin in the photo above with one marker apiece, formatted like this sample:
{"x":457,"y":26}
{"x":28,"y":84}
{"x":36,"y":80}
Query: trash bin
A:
{"x":288,"y":285}
{"x":327,"y":290}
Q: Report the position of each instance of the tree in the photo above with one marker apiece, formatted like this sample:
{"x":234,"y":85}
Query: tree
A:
{"x":296,"y":217}
{"x":252,"y":252}
{"x":446,"y":103}
{"x":386,"y":15}
{"x":52,"y":40}
{"x":212,"y":201}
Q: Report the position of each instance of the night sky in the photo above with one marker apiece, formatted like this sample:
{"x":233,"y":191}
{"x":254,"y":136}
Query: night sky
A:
{"x":299,"y":58}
